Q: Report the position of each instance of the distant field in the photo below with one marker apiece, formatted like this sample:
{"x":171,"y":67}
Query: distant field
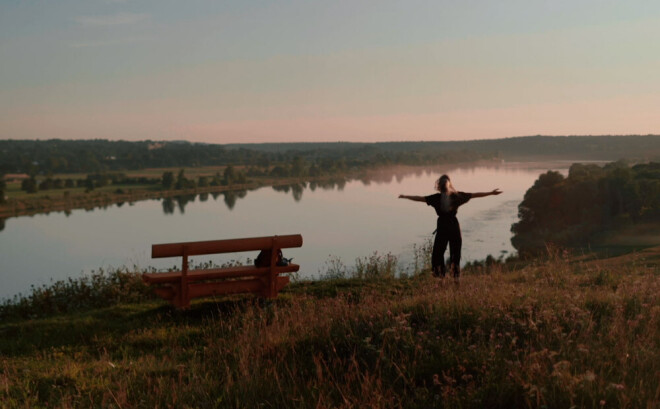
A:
{"x":14,"y":188}
{"x":14,"y":191}
{"x":627,"y":239}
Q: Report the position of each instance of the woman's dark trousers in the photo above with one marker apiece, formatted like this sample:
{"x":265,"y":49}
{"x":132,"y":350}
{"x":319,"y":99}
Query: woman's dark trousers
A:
{"x":449,"y":231}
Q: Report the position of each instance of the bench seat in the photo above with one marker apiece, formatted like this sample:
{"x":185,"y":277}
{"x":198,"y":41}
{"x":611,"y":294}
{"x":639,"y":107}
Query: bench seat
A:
{"x":216,"y":273}
{"x":200,"y":289}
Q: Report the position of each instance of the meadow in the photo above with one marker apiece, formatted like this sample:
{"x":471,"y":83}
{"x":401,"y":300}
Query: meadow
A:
{"x":557,"y":331}
{"x":20,"y":203}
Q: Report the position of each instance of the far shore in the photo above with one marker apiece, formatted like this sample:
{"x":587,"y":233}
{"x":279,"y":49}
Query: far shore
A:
{"x":63,"y":200}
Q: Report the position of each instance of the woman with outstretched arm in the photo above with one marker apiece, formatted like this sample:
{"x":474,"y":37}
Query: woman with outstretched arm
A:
{"x":446,"y":203}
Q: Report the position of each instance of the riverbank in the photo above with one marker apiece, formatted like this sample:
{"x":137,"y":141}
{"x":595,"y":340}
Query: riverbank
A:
{"x":557,"y":332}
{"x":19,"y":203}
{"x":63,"y":201}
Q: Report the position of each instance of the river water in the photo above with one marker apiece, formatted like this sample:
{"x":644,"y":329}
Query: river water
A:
{"x":339,"y":221}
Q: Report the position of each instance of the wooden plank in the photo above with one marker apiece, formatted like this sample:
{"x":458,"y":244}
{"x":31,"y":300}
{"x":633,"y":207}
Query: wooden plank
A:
{"x":196,"y":248}
{"x":272,"y":290}
{"x":216,"y":273}
{"x":232,"y":287}
{"x":185,"y":299}
{"x":167,"y":293}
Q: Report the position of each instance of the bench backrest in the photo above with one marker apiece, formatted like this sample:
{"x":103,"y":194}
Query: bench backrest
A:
{"x":194,"y":248}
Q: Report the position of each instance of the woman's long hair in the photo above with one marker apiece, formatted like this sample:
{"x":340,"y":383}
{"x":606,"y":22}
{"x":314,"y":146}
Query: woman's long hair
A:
{"x":443,"y":185}
{"x":446,"y":189}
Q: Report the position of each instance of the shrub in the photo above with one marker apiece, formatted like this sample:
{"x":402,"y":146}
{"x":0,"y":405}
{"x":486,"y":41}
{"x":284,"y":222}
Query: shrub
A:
{"x":98,"y":289}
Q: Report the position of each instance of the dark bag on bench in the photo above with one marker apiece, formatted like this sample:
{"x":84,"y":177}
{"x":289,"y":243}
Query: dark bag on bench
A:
{"x":263,"y":259}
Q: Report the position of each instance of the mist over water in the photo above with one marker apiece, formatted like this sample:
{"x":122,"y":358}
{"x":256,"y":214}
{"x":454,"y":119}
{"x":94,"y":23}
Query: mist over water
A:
{"x":339,"y":220}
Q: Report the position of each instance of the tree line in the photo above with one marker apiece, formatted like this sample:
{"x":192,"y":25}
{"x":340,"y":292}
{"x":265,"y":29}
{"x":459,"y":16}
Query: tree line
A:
{"x":642,"y":148}
{"x":44,"y":157}
{"x":90,"y":182}
{"x":3,"y":186}
{"x":569,"y":211}
{"x":97,"y":156}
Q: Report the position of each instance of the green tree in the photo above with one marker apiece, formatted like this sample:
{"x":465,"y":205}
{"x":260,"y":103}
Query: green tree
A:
{"x":203,"y":181}
{"x":89,"y":184}
{"x":3,"y":186}
{"x":29,"y":185}
{"x":570,"y":211}
{"x":216,"y":180}
{"x":298,"y":167}
{"x":168,"y":180}
{"x":279,"y":171}
{"x":229,"y":175}
{"x":241,"y":178}
{"x":180,"y":180}
{"x":46,"y":184}
{"x":314,"y":171}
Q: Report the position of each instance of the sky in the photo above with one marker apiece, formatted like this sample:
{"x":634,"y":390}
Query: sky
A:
{"x":229,"y":71}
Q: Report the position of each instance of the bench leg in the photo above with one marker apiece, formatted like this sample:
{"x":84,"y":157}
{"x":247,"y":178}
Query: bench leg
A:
{"x":177,"y":300}
{"x":184,"y":301}
{"x":280,"y":282}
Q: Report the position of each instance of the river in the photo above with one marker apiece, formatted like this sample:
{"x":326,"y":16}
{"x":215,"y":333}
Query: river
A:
{"x":339,"y":221}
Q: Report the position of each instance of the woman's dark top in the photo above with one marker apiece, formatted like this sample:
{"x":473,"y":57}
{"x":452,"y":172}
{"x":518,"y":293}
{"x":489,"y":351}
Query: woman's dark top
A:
{"x":455,"y":200}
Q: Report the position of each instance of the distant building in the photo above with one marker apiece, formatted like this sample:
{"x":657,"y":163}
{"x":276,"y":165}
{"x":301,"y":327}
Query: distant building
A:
{"x":16,"y":177}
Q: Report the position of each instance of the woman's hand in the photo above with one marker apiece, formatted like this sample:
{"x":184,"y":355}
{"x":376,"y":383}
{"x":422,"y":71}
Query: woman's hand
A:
{"x":493,"y":192}
{"x":413,"y":198}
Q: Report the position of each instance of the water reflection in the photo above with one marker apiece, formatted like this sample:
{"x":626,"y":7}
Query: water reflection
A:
{"x":230,"y":198}
{"x":168,"y":205}
{"x":281,"y":188}
{"x":297,"y":191}
{"x":183,"y":200}
{"x":332,"y":184}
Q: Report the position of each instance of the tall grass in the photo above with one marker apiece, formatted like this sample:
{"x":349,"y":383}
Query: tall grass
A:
{"x":376,"y":266}
{"x":97,"y":289}
{"x":557,"y":333}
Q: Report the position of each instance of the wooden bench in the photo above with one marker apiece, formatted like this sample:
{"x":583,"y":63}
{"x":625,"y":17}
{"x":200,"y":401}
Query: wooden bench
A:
{"x":179,"y":287}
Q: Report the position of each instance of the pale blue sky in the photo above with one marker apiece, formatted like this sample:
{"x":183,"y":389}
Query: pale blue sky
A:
{"x":232,"y":71}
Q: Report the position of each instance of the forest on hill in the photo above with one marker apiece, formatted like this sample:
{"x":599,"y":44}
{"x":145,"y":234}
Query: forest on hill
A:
{"x":604,"y":147}
{"x":571,"y":211}
{"x":89,"y":156}
{"x":94,"y":156}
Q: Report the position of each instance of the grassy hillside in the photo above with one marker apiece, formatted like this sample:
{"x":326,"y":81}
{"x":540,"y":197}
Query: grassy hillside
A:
{"x":562,"y":332}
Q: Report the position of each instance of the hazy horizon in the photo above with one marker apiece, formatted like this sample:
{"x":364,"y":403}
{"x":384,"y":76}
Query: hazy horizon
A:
{"x":295,"y":71}
{"x":338,"y":141}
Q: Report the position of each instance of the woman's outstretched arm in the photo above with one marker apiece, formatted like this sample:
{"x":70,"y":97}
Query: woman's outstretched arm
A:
{"x":484,"y":194}
{"x":414,"y":198}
